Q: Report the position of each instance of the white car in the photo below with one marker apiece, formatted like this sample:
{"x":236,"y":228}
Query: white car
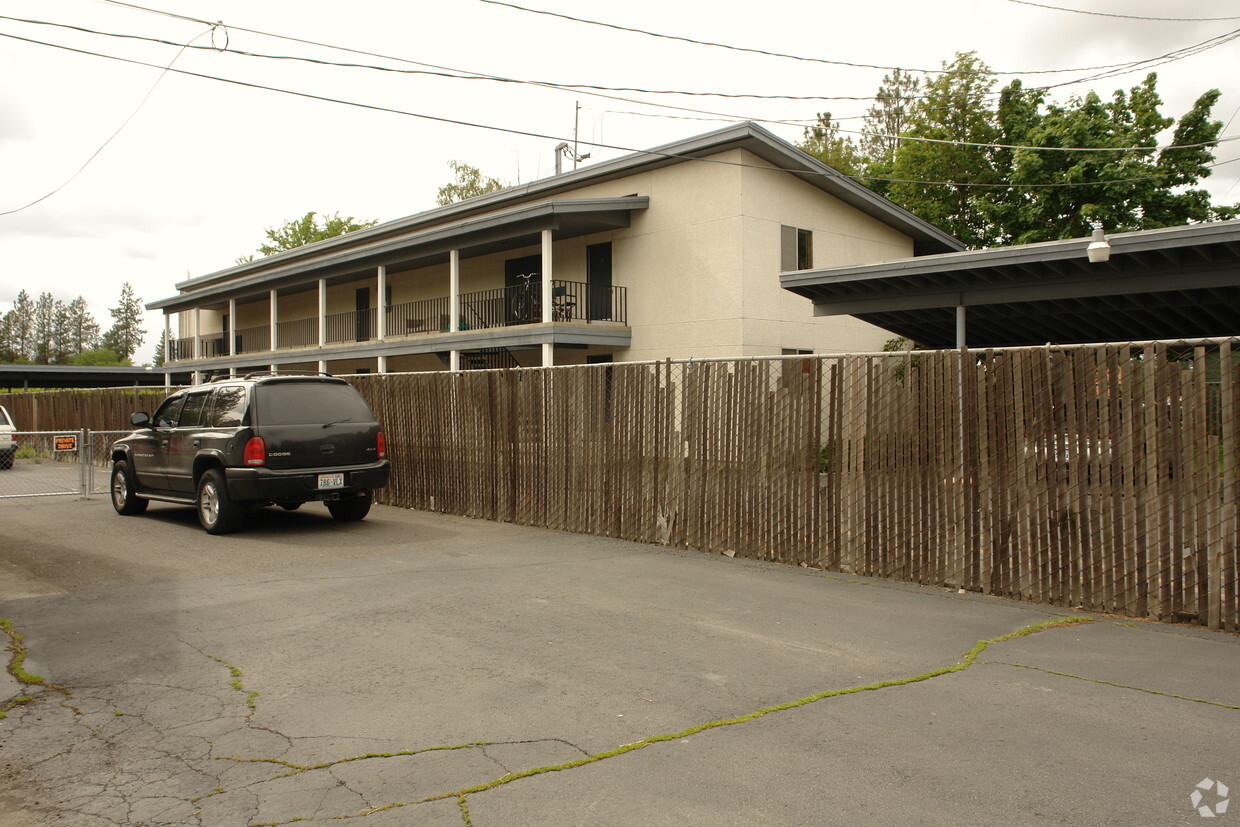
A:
{"x":8,"y":439}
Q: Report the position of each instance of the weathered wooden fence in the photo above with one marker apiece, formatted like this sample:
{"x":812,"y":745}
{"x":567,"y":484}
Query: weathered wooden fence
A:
{"x":1101,"y":477}
{"x":98,"y":409}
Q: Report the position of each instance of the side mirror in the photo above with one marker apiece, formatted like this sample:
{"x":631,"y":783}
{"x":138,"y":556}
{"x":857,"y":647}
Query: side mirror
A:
{"x":141,"y":419}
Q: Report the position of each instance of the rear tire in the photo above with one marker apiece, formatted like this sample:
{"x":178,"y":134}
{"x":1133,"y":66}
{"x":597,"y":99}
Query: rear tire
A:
{"x":289,"y":506}
{"x":217,"y":512}
{"x":352,"y":509}
{"x":6,"y":460}
{"x":124,"y":500}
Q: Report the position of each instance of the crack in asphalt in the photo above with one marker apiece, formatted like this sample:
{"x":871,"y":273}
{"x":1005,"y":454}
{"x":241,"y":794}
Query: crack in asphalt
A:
{"x":101,"y":780}
{"x":319,"y":803}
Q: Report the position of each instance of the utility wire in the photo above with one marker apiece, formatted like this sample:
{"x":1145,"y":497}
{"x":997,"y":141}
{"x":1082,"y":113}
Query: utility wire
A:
{"x":524,"y":133}
{"x":1125,"y":16}
{"x":783,"y":55}
{"x":124,"y":123}
{"x":321,"y":62}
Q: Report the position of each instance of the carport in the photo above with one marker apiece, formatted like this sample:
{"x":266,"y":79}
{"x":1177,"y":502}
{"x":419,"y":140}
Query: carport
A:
{"x":1169,"y":283}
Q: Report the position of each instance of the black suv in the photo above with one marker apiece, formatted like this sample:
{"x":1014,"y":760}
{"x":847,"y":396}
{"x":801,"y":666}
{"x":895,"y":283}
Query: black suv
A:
{"x":237,"y":444}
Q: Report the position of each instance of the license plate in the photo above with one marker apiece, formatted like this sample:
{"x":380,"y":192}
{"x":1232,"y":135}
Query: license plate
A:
{"x":327,"y":481}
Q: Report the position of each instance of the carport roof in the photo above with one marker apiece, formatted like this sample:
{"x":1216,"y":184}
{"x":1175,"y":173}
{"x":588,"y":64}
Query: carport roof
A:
{"x":1169,"y":283}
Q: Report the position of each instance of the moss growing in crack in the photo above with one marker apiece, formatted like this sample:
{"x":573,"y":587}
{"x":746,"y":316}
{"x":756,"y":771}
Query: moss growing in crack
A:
{"x":968,"y":659}
{"x":463,"y":803}
{"x":16,"y":667}
{"x":17,"y":647}
{"x":235,"y":683}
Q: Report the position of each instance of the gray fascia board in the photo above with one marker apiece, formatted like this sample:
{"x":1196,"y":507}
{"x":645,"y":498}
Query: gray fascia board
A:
{"x":1221,"y":232}
{"x":545,"y":213}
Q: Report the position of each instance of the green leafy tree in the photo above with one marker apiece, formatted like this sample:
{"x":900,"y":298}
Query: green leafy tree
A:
{"x":1123,"y":188}
{"x":159,"y":358}
{"x":469,"y":183}
{"x":100,"y":357}
{"x":126,"y":334}
{"x":309,"y":228}
{"x":826,"y":143}
{"x":957,"y":126}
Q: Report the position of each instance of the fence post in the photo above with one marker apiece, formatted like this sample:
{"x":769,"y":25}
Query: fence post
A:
{"x":82,"y":462}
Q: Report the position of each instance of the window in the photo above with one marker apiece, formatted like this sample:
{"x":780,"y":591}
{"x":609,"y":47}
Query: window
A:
{"x":191,"y":414}
{"x":169,"y":412}
{"x":794,"y":351}
{"x":296,"y":403}
{"x":228,"y":409}
{"x":796,"y":248}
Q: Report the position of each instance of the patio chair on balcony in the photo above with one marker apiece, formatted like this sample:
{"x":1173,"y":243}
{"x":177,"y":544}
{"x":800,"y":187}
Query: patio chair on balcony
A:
{"x":562,"y":304}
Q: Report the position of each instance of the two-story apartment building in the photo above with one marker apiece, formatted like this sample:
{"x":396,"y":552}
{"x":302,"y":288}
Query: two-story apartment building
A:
{"x":672,"y":252}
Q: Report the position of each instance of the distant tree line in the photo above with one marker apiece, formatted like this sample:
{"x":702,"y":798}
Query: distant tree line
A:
{"x":47,"y":331}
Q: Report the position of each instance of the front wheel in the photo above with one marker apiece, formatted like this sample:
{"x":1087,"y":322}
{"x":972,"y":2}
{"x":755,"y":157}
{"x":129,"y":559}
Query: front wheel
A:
{"x":124,"y":500}
{"x":352,"y":509}
{"x":217,"y":512}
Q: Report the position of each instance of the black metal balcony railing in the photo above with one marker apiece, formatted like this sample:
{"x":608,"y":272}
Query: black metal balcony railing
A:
{"x":571,"y":302}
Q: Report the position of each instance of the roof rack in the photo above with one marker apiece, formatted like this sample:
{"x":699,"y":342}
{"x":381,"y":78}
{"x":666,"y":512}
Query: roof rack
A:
{"x":258,"y":373}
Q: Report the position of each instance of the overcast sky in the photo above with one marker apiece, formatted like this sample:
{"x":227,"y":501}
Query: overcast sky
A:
{"x":191,"y":181}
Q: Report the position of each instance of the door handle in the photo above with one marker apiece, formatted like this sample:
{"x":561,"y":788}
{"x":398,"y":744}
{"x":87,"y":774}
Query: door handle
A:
{"x":196,"y":443}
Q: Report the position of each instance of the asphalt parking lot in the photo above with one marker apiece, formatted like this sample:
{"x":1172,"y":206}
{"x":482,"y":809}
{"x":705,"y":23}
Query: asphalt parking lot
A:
{"x":424,"y":669}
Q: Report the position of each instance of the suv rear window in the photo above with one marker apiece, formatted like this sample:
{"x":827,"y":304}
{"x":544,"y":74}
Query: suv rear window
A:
{"x":310,"y":403}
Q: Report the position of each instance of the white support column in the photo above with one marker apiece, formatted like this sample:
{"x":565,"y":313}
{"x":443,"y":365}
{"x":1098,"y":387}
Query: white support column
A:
{"x":275,"y":314}
{"x":546,"y":276}
{"x":454,"y":291}
{"x":232,"y":329}
{"x":322,"y":315}
{"x":381,"y":320}
{"x":454,"y":305}
{"x":548,"y":348}
{"x":169,"y":356}
{"x":197,"y":336}
{"x":322,"y":366}
{"x":382,"y":368}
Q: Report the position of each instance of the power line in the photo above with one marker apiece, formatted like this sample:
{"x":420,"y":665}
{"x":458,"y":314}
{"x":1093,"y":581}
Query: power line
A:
{"x":118,"y":130}
{"x":1125,"y":16}
{"x":317,"y":61}
{"x":1174,"y":55}
{"x":543,"y":136}
{"x":783,"y":55}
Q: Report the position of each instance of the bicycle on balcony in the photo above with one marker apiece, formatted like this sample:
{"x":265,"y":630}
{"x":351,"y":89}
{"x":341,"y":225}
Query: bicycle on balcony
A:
{"x":525,"y":306}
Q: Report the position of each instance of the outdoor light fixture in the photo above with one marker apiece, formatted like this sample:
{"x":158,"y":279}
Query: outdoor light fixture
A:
{"x":1099,"y":249}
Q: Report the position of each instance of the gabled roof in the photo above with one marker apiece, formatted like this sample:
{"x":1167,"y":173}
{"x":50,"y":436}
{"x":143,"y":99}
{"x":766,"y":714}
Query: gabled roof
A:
{"x":1167,"y":283}
{"x":926,"y":237}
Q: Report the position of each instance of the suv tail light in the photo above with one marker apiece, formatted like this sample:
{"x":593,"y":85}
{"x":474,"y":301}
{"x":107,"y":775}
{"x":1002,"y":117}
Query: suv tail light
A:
{"x":255,"y":451}
{"x":381,"y":444}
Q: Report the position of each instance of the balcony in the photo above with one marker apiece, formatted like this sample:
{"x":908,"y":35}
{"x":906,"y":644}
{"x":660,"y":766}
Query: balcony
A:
{"x":572,"y":303}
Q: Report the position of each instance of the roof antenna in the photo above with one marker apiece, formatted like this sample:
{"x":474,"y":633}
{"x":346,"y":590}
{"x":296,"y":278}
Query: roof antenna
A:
{"x":562,"y":149}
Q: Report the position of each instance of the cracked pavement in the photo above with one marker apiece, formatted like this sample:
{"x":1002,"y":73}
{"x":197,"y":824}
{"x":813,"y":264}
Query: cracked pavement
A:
{"x":424,"y":669}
